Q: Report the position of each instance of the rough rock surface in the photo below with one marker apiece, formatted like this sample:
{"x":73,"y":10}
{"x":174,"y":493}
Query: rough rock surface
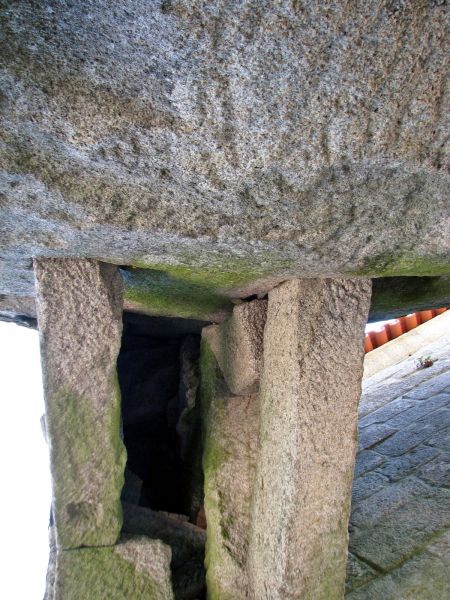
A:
{"x":399,"y":528}
{"x":51,"y":568}
{"x":397,"y":296}
{"x":186,"y":541}
{"x":224,"y":142}
{"x":391,"y":297}
{"x":136,"y":568}
{"x":231,"y":434}
{"x":79,"y":307}
{"x":237,"y":345}
{"x":310,"y":388}
{"x":18,"y":309}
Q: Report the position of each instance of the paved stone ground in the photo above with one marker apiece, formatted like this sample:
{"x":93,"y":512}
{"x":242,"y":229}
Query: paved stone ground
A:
{"x":400,"y":522}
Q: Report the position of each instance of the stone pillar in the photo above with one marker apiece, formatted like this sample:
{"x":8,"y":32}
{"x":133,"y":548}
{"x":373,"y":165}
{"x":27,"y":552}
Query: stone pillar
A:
{"x":230,"y":363}
{"x":310,"y":388}
{"x":79,"y":305}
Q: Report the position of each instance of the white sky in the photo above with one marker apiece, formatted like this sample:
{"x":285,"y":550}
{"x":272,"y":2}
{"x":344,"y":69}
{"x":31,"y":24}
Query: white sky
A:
{"x":377,"y":325}
{"x":26,"y":493}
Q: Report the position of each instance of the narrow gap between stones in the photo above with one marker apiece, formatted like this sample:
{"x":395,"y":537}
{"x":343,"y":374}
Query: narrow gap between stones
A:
{"x":368,"y":562}
{"x":163,"y":493}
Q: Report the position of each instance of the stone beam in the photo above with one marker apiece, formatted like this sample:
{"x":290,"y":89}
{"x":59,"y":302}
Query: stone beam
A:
{"x":310,"y":388}
{"x":391,"y":297}
{"x":79,"y":309}
{"x":294,"y":140}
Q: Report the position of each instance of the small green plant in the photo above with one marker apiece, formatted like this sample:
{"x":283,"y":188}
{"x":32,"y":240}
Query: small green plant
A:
{"x":425,"y":362}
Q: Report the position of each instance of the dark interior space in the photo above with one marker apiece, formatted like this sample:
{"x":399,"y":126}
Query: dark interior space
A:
{"x":158,"y":375}
{"x":163,"y":493}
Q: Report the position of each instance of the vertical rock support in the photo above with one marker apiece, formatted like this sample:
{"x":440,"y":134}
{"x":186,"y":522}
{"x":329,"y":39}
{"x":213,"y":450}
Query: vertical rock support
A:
{"x":230,"y":358}
{"x":79,"y":305}
{"x":310,"y":388}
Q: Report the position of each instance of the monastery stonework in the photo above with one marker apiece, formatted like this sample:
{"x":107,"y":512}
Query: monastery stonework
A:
{"x":201,"y":205}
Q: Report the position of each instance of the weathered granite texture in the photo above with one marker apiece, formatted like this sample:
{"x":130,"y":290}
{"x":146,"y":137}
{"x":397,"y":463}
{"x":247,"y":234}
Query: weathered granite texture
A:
{"x":136,"y":568}
{"x":186,"y":541}
{"x":309,"y":394}
{"x":79,"y":306}
{"x":151,"y":293}
{"x":399,"y":525}
{"x":237,"y":345}
{"x":18,"y":309}
{"x":51,"y":568}
{"x":224,"y":143}
{"x":229,"y":459}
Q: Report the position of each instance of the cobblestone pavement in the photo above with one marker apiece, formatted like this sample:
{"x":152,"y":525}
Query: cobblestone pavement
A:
{"x":400,"y":522}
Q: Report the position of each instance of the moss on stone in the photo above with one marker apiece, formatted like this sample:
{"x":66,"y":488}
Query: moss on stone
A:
{"x":214,"y":455}
{"x":396,"y":296}
{"x":185,"y":290}
{"x":213,"y":452}
{"x":391,"y":265}
{"x":161,"y":293}
{"x":226,"y":501}
{"x":204,"y":292}
{"x":100,"y":573}
{"x":87,"y":482}
{"x":219,"y":272}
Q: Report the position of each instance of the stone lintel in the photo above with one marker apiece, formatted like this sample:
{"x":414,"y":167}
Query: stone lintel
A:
{"x":310,"y":388}
{"x":79,"y":307}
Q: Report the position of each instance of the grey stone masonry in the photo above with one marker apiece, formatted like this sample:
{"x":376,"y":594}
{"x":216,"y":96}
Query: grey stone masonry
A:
{"x":238,"y":346}
{"x":310,"y":389}
{"x":400,"y":520}
{"x":79,"y":305}
{"x":136,"y":568}
{"x":229,"y":459}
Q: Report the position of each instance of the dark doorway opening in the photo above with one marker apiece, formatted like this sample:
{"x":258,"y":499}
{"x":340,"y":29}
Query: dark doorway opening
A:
{"x":158,"y":368}
{"x":158,"y":376}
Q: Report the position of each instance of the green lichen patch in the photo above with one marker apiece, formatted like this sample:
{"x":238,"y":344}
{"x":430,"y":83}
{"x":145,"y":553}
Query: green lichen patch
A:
{"x":87,"y":463}
{"x":136,"y":569}
{"x":396,"y":296}
{"x":162,"y":293}
{"x":188,"y":290}
{"x":229,"y":431}
{"x":214,"y":453}
{"x":220,"y":273}
{"x":391,"y":265}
